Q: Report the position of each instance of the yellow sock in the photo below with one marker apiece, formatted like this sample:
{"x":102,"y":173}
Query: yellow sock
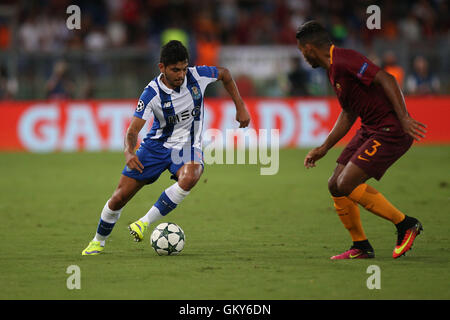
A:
{"x":376,"y":203}
{"x":348,"y":212}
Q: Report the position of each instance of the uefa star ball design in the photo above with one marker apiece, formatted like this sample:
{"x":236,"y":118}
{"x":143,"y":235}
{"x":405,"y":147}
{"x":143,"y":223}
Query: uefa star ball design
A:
{"x":168,"y":239}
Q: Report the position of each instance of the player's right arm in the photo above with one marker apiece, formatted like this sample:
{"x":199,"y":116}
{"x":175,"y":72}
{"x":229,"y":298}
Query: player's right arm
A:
{"x":131,"y":139}
{"x":141,"y":115}
{"x":340,"y":129}
{"x":390,"y":86}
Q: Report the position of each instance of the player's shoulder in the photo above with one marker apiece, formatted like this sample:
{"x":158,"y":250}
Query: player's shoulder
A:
{"x":343,"y":54}
{"x":349,"y":56}
{"x":204,"y":71}
{"x":345,"y":59}
{"x":150,"y":92}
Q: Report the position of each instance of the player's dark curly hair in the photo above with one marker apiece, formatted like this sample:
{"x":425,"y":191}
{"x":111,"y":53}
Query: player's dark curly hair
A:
{"x":314,"y":33}
{"x":173,"y":52}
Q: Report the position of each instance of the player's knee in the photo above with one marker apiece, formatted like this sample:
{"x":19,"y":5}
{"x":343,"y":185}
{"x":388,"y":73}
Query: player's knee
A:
{"x":117,"y":201}
{"x":343,"y":187}
{"x":332,"y":186}
{"x":188,"y":181}
{"x":189,"y":175}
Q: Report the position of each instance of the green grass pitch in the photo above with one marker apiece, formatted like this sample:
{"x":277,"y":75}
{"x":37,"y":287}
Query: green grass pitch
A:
{"x":248,"y":236}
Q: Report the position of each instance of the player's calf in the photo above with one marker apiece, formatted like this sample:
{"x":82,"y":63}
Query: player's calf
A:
{"x":124,"y":192}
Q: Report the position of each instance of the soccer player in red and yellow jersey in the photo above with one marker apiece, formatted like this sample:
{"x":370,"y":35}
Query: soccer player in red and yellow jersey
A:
{"x":387,"y":131}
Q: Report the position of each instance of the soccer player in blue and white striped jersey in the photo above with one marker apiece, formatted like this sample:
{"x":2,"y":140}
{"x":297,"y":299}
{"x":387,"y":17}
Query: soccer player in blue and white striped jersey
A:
{"x":174,"y":143}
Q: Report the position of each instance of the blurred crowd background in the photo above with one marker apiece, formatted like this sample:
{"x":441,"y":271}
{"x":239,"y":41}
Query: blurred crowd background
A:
{"x":115,"y":52}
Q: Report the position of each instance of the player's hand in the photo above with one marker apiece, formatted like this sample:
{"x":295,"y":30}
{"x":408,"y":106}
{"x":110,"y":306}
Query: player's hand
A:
{"x":414,"y":128}
{"x":133,"y":162}
{"x":314,"y":155}
{"x":243,"y":117}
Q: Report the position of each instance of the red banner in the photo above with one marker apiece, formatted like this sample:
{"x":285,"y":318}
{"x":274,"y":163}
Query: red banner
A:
{"x":45,"y":126}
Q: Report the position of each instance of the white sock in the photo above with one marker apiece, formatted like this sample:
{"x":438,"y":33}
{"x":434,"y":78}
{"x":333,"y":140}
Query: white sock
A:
{"x":109,"y":216}
{"x":152,"y":215}
{"x":175,"y":193}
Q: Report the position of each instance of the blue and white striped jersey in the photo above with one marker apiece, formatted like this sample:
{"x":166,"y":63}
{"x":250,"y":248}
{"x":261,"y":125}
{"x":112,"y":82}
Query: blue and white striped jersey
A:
{"x":178,"y":114}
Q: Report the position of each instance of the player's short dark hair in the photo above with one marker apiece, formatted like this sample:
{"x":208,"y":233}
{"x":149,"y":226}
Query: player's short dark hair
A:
{"x":173,"y":52}
{"x":314,"y":33}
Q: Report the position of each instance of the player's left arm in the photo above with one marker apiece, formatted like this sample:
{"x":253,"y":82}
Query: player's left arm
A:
{"x":411,"y":126}
{"x":242,"y":115}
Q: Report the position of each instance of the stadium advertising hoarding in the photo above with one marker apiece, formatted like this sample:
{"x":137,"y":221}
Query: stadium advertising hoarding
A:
{"x":94,"y":125}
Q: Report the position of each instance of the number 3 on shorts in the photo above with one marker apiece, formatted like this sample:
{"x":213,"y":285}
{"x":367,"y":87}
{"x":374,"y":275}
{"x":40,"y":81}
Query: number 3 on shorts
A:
{"x":374,"y":150}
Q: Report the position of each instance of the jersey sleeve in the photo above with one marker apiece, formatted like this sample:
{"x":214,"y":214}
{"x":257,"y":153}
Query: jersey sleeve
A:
{"x":207,"y":74}
{"x":144,"y":106}
{"x":359,"y":67}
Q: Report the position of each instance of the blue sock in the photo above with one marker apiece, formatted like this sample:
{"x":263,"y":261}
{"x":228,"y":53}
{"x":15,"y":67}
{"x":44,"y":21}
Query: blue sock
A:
{"x":104,"y":228}
{"x":164,"y":204}
{"x":108,"y":219}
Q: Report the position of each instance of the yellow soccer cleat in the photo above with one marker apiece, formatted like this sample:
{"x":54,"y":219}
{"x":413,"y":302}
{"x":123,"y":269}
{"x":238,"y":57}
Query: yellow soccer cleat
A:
{"x":137,"y":230}
{"x":94,"y":248}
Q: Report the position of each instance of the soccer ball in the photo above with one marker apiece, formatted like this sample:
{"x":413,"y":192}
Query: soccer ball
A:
{"x":167,"y":239}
